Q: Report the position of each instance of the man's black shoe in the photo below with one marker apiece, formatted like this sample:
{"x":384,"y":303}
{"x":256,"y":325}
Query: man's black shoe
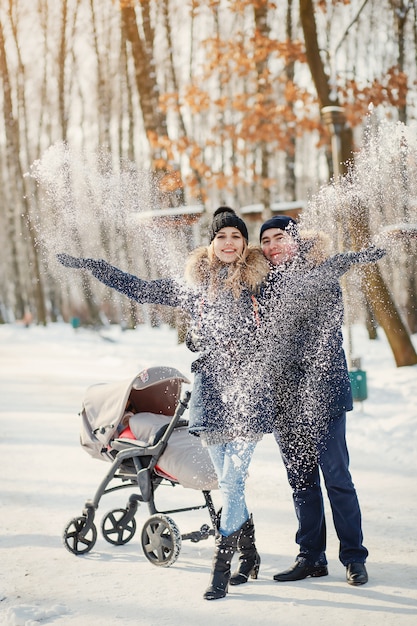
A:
{"x":356,"y":574}
{"x":300,"y":570}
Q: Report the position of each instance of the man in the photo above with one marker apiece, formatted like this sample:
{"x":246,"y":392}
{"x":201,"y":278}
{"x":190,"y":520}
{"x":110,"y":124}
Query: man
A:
{"x":319,"y":396}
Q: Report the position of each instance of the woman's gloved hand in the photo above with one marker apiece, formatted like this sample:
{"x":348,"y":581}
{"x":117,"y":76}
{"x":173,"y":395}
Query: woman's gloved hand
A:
{"x":77,"y":262}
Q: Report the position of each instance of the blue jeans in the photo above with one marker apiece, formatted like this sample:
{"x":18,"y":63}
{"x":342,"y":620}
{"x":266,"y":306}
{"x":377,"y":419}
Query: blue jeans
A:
{"x":333,"y":461}
{"x":231,"y":462}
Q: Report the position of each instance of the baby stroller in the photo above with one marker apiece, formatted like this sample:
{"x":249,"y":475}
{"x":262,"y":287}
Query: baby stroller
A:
{"x":137,"y":426}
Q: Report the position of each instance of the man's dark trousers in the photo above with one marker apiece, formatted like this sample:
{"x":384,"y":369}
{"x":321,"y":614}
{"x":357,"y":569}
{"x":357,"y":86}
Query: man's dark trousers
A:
{"x":333,"y":461}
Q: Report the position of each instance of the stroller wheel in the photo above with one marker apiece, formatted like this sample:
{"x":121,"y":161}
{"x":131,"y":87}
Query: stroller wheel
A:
{"x":75,"y":539}
{"x":116,"y":529}
{"x":161,"y":540}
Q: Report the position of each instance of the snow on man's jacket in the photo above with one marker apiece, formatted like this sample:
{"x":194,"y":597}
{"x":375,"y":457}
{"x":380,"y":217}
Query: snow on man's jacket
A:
{"x":303,"y":305}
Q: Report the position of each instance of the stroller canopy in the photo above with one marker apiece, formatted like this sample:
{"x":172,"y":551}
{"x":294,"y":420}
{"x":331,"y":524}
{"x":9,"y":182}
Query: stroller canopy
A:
{"x":155,"y":390}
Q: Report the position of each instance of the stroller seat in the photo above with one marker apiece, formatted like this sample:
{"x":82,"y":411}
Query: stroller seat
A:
{"x":184,"y":460}
{"x":126,"y":438}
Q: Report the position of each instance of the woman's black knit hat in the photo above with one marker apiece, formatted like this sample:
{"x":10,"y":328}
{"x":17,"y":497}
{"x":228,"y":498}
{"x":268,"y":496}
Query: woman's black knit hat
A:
{"x":225,"y":216}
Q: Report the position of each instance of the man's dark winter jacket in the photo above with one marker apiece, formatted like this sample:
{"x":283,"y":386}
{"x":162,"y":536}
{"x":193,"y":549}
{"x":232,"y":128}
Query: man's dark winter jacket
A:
{"x":302,"y":304}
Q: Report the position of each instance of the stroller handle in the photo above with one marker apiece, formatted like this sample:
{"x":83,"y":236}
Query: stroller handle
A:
{"x":179,"y":412}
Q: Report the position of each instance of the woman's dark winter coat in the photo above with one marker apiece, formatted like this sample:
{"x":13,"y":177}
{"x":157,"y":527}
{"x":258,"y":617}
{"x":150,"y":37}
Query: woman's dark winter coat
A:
{"x":232,"y":392}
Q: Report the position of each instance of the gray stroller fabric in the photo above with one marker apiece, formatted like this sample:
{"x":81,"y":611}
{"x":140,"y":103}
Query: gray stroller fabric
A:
{"x":150,"y":398}
{"x":185,"y":459}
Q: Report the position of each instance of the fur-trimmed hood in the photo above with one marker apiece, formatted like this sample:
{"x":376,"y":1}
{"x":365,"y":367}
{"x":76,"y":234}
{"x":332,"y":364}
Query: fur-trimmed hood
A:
{"x":248,"y":273}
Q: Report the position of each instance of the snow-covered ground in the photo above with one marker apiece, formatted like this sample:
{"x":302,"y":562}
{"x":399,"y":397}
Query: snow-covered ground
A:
{"x":46,"y":478}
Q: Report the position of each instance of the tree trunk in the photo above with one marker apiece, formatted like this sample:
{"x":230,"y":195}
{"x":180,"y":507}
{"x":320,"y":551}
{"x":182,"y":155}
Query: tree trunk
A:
{"x":66,"y":40}
{"x":21,"y":145}
{"x":63,"y":118}
{"x":148,"y":90}
{"x":18,"y":203}
{"x":103,"y":95}
{"x":290,"y":181}
{"x":12,"y":150}
{"x":400,"y":18}
{"x":261,"y":24}
{"x":377,"y":292}
{"x":154,"y":119}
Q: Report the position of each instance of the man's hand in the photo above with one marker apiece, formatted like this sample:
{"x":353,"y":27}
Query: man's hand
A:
{"x":370,"y":254}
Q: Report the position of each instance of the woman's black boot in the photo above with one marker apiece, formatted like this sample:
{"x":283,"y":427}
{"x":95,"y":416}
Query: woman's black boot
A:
{"x":220,"y":573}
{"x":249,"y":559}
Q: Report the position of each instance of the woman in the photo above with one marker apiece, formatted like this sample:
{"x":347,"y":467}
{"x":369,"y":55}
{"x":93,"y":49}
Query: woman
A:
{"x":231,"y":405}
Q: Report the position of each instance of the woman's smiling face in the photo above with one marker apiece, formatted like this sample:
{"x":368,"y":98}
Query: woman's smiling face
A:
{"x":228,"y":244}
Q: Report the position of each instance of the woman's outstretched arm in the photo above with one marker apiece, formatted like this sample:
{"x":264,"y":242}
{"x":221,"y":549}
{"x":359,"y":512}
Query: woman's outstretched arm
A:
{"x":160,"y":291}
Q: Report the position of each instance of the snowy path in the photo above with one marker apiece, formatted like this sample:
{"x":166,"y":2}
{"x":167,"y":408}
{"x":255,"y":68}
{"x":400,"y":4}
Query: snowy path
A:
{"x":46,"y":478}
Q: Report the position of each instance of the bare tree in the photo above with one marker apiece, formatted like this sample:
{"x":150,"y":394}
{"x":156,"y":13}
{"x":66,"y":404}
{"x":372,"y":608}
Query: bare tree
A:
{"x":18,"y":208}
{"x":378,"y":294}
{"x":210,"y":97}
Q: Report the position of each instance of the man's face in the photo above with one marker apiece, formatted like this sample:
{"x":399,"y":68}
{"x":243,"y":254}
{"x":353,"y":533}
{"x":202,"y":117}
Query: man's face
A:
{"x":278,"y":246}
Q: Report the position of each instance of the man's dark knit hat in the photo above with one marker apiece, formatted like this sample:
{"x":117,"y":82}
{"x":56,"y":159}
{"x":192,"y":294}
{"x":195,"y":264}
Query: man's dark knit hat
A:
{"x":225,"y":216}
{"x":283,"y":222}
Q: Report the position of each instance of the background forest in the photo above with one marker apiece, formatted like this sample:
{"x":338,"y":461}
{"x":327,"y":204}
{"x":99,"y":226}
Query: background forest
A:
{"x":125,"y":123}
